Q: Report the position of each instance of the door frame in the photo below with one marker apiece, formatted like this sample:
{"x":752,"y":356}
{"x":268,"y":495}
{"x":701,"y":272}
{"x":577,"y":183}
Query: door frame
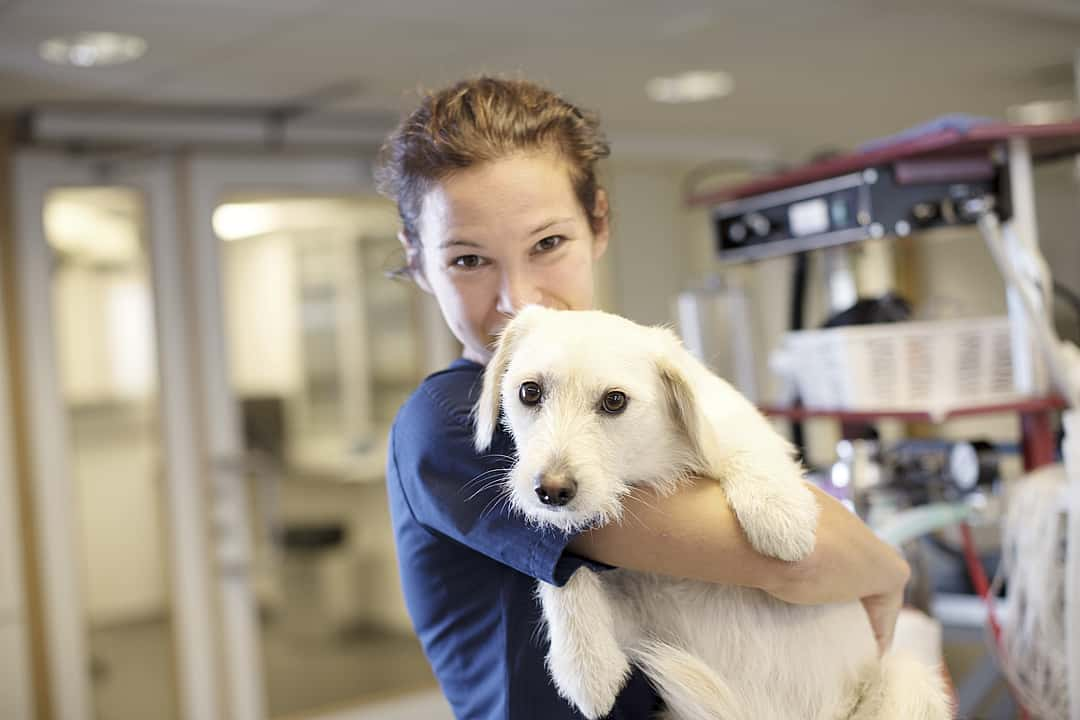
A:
{"x":55,"y":520}
{"x":13,"y":601}
{"x":210,"y":177}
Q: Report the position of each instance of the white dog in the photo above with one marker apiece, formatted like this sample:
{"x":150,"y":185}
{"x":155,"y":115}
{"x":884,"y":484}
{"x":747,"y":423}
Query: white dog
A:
{"x":598,"y":405}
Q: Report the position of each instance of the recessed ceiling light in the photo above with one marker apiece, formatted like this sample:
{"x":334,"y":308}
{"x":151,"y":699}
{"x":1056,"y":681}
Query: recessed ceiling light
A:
{"x":693,"y":86}
{"x":92,"y":49}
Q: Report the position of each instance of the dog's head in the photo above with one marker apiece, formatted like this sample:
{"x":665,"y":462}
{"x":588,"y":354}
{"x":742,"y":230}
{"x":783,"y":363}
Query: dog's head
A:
{"x":596,"y":405}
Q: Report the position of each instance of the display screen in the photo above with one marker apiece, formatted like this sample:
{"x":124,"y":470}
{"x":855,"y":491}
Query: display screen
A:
{"x":809,"y":217}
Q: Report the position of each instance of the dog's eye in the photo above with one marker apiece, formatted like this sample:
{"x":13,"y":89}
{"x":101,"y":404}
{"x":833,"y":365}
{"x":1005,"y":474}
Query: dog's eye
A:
{"x":530,"y":393}
{"x":614,"y":402}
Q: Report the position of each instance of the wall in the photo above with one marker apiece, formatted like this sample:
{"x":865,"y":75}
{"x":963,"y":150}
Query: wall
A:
{"x":659,"y":247}
{"x":1058,"y":210}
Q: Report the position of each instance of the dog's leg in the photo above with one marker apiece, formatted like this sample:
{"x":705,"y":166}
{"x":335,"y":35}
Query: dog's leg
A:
{"x":585,"y":660}
{"x":774,"y":506}
{"x":691,"y":689}
{"x":902,"y":688}
{"x":729,"y":440}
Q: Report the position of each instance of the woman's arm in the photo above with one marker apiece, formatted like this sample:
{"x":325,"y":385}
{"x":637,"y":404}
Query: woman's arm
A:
{"x":694,"y":534}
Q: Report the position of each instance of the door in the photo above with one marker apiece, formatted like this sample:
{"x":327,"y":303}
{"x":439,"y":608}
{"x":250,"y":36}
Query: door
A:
{"x":306,"y":351}
{"x":117,"y":499}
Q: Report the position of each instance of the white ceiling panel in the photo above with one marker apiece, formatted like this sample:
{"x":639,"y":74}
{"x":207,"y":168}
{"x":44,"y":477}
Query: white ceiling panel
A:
{"x":807,"y":74}
{"x":113,"y":8}
{"x":175,"y":40}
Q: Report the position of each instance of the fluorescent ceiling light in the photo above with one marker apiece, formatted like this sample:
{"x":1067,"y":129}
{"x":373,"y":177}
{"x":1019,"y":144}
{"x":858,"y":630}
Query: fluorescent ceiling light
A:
{"x":92,"y":49}
{"x":1044,"y":112}
{"x":78,"y":228}
{"x":233,"y":221}
{"x":693,"y":86}
{"x":238,"y":220}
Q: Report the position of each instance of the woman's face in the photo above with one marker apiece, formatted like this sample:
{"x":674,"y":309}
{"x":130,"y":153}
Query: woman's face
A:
{"x":502,"y":235}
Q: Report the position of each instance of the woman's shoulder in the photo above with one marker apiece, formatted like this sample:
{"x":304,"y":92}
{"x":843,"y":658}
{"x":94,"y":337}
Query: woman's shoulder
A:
{"x":446,"y":396}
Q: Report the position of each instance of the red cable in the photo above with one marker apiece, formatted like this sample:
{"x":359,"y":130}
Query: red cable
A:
{"x":982,"y":587}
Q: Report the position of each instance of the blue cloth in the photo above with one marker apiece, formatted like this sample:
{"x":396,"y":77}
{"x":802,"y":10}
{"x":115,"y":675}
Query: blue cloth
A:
{"x":956,"y":121}
{"x":959,"y":122}
{"x":469,"y":567}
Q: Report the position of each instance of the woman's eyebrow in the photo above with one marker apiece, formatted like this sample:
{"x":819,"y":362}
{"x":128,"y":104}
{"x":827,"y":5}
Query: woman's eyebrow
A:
{"x":551,"y":223}
{"x":457,"y":241}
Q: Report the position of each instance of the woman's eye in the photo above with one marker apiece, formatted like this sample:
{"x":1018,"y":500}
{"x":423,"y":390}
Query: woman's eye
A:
{"x":468,"y":261}
{"x":550,"y":243}
{"x":614,"y":402}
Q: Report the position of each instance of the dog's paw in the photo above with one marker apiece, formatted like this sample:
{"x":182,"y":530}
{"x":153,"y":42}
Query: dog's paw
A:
{"x":780,"y":524}
{"x":593,"y":692}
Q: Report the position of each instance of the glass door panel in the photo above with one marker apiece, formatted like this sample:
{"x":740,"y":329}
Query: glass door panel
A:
{"x":323,"y":348}
{"x":104,"y":338}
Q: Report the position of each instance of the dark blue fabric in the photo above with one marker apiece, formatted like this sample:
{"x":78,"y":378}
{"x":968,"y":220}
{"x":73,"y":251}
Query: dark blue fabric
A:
{"x":469,"y":567}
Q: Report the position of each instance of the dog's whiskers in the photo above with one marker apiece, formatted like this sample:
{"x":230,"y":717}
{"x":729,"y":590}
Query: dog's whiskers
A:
{"x":500,"y":456}
{"x":642,"y":501}
{"x":502,"y":498}
{"x":484,"y":474}
{"x":487,"y":486}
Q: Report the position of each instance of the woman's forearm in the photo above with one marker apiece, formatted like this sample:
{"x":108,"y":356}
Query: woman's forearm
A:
{"x":694,"y":534}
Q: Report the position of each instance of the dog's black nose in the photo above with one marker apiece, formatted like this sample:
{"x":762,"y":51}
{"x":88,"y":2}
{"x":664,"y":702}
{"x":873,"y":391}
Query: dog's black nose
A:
{"x":555,"y":488}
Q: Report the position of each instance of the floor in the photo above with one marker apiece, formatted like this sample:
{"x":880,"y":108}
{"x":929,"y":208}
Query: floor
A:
{"x":375,"y":675}
{"x":424,"y":705}
{"x":305,"y":677}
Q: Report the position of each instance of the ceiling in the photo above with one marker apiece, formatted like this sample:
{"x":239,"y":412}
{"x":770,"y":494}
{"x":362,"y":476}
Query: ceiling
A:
{"x":810,"y":74}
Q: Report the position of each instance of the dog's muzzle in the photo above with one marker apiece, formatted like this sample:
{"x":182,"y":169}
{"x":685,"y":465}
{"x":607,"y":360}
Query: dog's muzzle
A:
{"x":556,"y":489}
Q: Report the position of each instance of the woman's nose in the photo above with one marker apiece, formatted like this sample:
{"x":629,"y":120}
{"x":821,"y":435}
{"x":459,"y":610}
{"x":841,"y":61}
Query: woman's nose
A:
{"x":517,"y":291}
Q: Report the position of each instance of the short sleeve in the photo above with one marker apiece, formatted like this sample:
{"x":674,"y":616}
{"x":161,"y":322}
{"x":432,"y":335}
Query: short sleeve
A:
{"x":453,"y":490}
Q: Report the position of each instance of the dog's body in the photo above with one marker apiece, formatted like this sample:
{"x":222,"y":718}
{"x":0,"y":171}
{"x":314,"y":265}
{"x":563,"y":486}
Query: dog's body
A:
{"x":598,"y":405}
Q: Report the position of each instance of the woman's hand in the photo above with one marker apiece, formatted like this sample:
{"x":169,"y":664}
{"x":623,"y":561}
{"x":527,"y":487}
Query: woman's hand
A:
{"x":848,"y":562}
{"x":883,"y":610}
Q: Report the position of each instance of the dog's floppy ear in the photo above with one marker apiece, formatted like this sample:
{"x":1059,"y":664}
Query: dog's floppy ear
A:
{"x":685,"y":410}
{"x":486,"y":410}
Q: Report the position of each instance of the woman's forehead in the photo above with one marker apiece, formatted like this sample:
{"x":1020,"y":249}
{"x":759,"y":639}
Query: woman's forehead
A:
{"x":515,"y":195}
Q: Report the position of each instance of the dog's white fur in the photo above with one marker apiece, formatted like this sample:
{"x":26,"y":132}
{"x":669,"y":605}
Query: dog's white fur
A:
{"x":713,"y":651}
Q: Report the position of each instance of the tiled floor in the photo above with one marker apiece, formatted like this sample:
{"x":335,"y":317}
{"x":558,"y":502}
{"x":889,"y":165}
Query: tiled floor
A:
{"x":309,"y":677}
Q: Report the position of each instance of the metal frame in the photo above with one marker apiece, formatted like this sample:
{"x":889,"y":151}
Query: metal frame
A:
{"x":791,"y":195}
{"x":764,"y":251}
{"x":1021,"y":235}
{"x":15,"y":696}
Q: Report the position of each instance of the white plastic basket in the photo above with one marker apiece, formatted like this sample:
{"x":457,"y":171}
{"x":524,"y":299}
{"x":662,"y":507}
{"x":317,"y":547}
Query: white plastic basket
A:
{"x":915,"y":366}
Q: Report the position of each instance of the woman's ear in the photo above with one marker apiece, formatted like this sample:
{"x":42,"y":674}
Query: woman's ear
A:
{"x":486,"y":410}
{"x":601,"y":223}
{"x":413,"y":255}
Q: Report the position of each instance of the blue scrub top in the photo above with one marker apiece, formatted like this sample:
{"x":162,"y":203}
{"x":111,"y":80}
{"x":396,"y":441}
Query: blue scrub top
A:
{"x":469,"y":566}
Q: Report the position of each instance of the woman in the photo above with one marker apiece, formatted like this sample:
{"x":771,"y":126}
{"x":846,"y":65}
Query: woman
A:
{"x":500,"y":206}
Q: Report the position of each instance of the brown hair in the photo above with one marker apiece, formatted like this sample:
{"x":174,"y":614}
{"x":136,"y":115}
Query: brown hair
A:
{"x":479,"y":120}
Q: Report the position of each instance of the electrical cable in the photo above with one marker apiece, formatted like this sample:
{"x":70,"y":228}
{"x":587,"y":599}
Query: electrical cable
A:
{"x":982,"y":587}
